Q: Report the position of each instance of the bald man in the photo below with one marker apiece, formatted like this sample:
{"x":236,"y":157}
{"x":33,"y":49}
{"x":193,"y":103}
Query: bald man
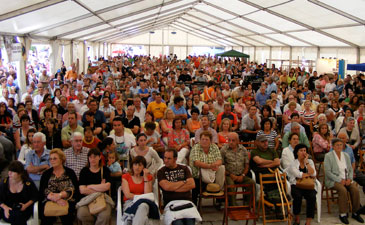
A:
{"x":236,"y":160}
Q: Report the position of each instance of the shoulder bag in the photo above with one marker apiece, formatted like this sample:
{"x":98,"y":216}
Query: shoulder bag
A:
{"x":52,"y":208}
{"x":99,"y":204}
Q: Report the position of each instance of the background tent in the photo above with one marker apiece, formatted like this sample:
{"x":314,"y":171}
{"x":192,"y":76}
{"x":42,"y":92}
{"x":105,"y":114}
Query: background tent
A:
{"x":233,"y":53}
{"x":358,"y":67}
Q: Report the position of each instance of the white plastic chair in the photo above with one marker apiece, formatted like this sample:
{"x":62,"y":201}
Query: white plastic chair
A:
{"x":33,"y":220}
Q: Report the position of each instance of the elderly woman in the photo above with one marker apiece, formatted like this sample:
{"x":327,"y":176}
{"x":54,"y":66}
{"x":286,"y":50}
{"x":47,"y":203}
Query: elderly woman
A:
{"x":291,"y":110}
{"x":339,"y":176}
{"x":94,"y":178}
{"x":353,"y":133}
{"x":58,"y":184}
{"x":206,"y":156}
{"x":302,"y":167}
{"x":287,"y":156}
{"x":18,"y":193}
{"x":137,"y":182}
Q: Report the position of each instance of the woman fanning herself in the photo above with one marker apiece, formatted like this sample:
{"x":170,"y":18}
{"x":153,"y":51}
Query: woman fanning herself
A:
{"x":18,"y":193}
{"x":137,"y":182}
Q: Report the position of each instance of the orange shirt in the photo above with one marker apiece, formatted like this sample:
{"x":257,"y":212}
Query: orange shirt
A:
{"x":71,"y":74}
{"x":136,"y":189}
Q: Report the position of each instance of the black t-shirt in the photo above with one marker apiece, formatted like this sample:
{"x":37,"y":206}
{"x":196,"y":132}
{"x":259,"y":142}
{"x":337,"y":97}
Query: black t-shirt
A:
{"x":87,"y":177}
{"x":131,"y":123}
{"x":184,"y":78}
{"x":180,"y":173}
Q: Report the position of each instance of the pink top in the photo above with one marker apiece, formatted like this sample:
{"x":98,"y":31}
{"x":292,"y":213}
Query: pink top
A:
{"x":320,"y":144}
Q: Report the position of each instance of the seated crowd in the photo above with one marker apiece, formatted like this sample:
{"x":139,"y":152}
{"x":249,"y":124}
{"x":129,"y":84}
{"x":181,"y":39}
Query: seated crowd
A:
{"x":144,"y":122}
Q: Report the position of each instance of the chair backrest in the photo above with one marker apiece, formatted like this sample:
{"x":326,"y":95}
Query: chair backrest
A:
{"x":246,"y":189}
{"x":249,"y":145}
{"x":270,"y":179}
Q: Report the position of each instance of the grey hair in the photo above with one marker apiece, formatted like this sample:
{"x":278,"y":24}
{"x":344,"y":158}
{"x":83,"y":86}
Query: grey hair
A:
{"x":76,"y":134}
{"x":70,"y":103}
{"x":41,"y":135}
{"x":295,"y":124}
{"x":322,"y":115}
{"x":347,"y":136}
{"x":350,"y":119}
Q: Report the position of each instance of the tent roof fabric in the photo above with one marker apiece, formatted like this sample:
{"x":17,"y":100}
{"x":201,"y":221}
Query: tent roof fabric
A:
{"x":233,"y":53}
{"x":313,"y":23}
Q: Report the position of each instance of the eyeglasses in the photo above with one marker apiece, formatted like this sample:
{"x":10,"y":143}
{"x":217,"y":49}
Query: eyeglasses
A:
{"x":51,"y":159}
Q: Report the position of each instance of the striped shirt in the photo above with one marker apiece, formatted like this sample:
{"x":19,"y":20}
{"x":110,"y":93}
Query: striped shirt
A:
{"x":270,"y":137}
{"x":308,"y":115}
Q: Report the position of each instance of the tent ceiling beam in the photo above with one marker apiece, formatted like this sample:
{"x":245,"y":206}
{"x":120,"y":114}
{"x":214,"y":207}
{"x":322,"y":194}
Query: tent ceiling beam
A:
{"x":124,"y":4}
{"x":124,"y":16}
{"x":193,"y":32}
{"x":232,"y":31}
{"x":189,"y":31}
{"x":136,"y":33}
{"x":299,"y":23}
{"x":217,"y":32}
{"x":213,"y":35}
{"x":149,"y":25}
{"x":29,"y":9}
{"x":238,"y":26}
{"x":337,"y":11}
{"x":257,"y":23}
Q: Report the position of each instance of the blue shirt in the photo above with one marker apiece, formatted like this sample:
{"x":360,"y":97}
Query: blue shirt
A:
{"x":287,"y":128}
{"x":33,"y":158}
{"x":350,"y":152}
{"x":145,"y":91}
{"x":179,"y":111}
{"x":261,"y":99}
{"x":115,"y":167}
{"x":134,"y":90}
{"x":271,"y":87}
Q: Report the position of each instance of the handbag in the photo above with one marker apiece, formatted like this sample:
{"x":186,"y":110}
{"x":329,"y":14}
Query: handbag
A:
{"x":99,"y":204}
{"x":52,"y":208}
{"x":306,"y":183}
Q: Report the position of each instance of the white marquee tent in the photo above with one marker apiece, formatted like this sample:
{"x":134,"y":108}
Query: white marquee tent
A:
{"x":276,"y":29}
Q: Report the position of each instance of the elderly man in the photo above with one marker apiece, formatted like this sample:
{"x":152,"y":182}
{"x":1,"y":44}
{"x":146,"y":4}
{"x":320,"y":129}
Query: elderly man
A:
{"x":177,"y":92}
{"x":295,"y":128}
{"x":76,"y":156}
{"x":176,"y":183}
{"x":236,"y":161}
{"x":250,"y":124}
{"x":294,"y":118}
{"x":72,"y":74}
{"x":37,"y":160}
{"x":271,"y":87}
{"x":71,"y":128}
{"x":227,"y":113}
{"x":139,"y":109}
{"x":261,"y":96}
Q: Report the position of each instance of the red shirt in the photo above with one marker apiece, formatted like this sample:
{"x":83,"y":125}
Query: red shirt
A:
{"x":136,"y":189}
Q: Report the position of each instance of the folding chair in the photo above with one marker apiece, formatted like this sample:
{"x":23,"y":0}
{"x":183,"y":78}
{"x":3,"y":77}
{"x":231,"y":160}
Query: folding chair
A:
{"x":270,"y":179}
{"x":332,"y":196}
{"x":203,"y":196}
{"x":244,"y":212}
